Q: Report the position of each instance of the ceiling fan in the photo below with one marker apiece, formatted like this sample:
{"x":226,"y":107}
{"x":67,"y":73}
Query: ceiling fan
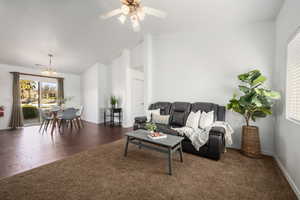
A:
{"x":133,"y":10}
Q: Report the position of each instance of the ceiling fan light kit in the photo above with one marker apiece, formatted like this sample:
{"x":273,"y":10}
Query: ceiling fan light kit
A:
{"x":125,"y":9}
{"x":133,"y":10}
{"x":122,"y":19}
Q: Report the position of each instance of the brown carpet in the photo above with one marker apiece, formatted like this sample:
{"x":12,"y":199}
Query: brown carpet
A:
{"x":103,"y":173}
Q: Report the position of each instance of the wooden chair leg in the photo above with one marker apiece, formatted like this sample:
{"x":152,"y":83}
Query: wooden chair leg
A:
{"x":74,"y":123}
{"x":64,"y":123}
{"x":81,"y":122}
{"x":71,"y":125}
{"x":41,"y":125}
{"x":59,"y":124}
{"x":46,"y":125}
{"x":78,"y":122}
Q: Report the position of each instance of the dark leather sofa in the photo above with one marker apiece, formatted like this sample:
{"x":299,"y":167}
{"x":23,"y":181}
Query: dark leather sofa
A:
{"x":179,"y":112}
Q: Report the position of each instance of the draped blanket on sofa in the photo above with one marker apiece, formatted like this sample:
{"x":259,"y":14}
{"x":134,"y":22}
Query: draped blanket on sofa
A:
{"x":199,"y":137}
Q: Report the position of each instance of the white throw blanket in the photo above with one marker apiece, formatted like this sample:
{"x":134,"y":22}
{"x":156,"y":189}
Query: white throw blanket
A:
{"x":199,"y":137}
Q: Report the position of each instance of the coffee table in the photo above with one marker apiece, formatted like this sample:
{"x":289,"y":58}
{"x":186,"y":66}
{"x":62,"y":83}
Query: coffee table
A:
{"x":167,"y":145}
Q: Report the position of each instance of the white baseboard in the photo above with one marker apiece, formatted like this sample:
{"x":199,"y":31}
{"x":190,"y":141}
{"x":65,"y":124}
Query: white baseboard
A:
{"x":288,"y":177}
{"x":92,"y":122}
{"x":267,"y":153}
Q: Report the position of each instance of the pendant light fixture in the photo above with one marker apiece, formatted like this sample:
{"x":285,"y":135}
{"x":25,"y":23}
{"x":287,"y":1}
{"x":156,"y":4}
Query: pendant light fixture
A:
{"x":49,"y":70}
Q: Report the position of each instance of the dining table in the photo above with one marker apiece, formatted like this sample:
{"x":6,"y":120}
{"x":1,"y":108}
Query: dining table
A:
{"x":56,"y":120}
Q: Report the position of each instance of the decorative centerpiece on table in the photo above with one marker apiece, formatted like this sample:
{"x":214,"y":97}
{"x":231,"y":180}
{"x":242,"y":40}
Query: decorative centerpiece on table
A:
{"x":152,"y":128}
{"x":113,"y":101}
{"x":62,"y":102}
{"x":255,"y":101}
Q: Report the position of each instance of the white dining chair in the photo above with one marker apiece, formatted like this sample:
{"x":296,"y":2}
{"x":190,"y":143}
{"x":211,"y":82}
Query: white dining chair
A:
{"x":46,"y":119}
{"x":79,"y":114}
{"x":68,"y":118}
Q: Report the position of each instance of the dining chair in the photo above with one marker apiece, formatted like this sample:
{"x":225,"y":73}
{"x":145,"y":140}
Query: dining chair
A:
{"x":78,"y":116}
{"x":57,"y":108}
{"x":46,"y":119}
{"x":68,"y":118}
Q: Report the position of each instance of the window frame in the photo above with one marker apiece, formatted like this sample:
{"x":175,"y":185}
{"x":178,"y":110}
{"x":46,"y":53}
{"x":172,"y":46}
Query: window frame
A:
{"x":291,"y":38}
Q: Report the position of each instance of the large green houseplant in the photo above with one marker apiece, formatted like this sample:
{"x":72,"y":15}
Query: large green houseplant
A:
{"x":255,"y":101}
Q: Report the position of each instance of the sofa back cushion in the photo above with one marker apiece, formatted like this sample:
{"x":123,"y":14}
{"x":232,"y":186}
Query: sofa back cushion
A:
{"x":179,"y":113}
{"x":163,"y":106}
{"x":219,"y":111}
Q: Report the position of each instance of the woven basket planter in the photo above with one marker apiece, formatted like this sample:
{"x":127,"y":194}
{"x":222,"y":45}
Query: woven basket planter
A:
{"x":251,"y":142}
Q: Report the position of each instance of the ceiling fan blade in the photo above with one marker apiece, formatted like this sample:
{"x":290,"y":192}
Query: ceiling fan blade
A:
{"x":155,"y":12}
{"x":111,"y":14}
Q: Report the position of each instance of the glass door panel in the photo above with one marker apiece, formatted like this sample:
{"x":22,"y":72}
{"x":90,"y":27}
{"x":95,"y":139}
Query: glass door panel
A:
{"x":48,"y":94}
{"x":30,"y":101}
{"x":36,"y":95}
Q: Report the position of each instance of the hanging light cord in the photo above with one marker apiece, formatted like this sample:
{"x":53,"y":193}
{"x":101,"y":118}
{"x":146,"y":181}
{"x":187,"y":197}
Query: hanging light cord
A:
{"x":50,"y":61}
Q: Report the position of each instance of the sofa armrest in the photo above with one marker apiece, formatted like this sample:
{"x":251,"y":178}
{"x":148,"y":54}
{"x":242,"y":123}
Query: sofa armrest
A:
{"x":216,"y":142}
{"x":139,"y":123}
{"x":217,"y":131}
{"x":140,"y":119}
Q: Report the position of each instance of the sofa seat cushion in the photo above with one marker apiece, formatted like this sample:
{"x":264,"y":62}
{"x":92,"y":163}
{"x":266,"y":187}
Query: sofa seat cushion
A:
{"x":166,"y":129}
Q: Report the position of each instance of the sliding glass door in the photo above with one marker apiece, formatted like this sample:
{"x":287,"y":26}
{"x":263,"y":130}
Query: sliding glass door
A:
{"x":48,"y":96}
{"x":30,"y":101}
{"x":36,"y":95}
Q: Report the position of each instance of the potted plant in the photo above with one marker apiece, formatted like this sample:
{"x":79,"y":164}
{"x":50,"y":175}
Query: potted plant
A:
{"x":255,"y":101}
{"x":63,"y":101}
{"x":113,"y":101}
{"x":151,"y":127}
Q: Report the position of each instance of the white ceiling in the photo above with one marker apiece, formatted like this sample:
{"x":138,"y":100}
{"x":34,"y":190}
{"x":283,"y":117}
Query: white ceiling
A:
{"x":72,"y":31}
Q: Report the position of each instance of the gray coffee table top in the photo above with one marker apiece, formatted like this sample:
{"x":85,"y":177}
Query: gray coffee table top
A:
{"x":170,"y":141}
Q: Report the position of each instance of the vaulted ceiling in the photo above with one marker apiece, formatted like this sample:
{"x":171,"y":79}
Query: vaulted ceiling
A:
{"x":73,"y":32}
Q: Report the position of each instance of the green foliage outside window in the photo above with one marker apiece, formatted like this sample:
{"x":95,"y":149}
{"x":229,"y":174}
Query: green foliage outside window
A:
{"x":30,"y":112}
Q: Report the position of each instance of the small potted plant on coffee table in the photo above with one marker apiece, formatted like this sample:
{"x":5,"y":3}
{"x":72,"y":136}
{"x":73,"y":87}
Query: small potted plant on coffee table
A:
{"x":255,"y":101}
{"x":151,"y":127}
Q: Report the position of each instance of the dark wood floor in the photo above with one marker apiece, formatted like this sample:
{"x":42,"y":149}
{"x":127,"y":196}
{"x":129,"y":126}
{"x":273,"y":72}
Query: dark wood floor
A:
{"x":27,"y":148}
